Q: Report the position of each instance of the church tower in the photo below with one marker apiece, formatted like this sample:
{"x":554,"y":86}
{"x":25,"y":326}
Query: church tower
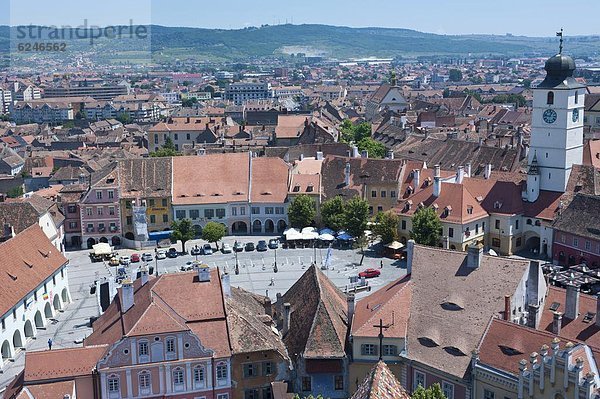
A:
{"x":556,"y":127}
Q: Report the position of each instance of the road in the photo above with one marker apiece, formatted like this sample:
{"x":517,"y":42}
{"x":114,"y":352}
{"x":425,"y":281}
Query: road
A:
{"x":256,"y":275}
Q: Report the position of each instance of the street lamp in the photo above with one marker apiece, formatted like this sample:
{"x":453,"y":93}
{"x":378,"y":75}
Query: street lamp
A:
{"x":156,"y":261}
{"x":275,"y":270}
{"x":237,"y":265}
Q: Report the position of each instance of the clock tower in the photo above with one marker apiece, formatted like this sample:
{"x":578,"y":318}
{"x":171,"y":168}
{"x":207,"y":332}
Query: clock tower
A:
{"x":556,"y":127}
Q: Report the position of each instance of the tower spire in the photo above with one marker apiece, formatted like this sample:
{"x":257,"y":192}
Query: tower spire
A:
{"x":393,"y":79}
{"x":560,"y":46}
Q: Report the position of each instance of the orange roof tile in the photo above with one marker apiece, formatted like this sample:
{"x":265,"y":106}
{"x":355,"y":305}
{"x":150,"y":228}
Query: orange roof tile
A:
{"x":66,"y":363}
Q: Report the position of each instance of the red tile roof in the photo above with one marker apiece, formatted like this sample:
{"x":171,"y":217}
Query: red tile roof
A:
{"x":26,"y":261}
{"x":380,"y":383}
{"x":62,"y":363}
{"x":269,"y":180}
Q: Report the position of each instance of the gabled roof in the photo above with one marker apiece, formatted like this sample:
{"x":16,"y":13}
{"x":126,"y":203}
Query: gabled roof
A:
{"x":211,"y":179}
{"x":269,"y":180}
{"x":391,"y":304}
{"x":581,"y":217}
{"x":65,"y":363}
{"x":363,"y":171}
{"x":251,"y":329}
{"x":380,"y":383}
{"x":26,"y":260}
{"x":319,"y":320}
{"x":452,"y":304}
{"x":145,"y":177}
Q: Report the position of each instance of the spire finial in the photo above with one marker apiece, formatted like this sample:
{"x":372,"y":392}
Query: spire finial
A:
{"x":393,"y":80}
{"x":560,"y":46}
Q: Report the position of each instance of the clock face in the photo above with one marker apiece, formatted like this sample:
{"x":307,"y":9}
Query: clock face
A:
{"x":575,"y":115}
{"x":549,"y":116}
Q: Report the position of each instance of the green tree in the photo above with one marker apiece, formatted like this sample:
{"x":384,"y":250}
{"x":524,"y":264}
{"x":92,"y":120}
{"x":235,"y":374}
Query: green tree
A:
{"x":455,"y":75}
{"x":15,"y":192}
{"x":374,"y":148}
{"x":356,"y":216}
{"x":351,"y":133}
{"x":332,"y":213}
{"x":386,"y":226}
{"x":124,"y":118}
{"x":526,"y":83}
{"x":301,"y":212}
{"x":426,"y":227}
{"x":167,"y":150}
{"x":213,"y":232}
{"x":183,"y":230}
{"x":433,"y":392}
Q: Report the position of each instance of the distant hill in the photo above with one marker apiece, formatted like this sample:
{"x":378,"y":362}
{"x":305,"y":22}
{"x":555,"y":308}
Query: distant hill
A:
{"x":171,"y":43}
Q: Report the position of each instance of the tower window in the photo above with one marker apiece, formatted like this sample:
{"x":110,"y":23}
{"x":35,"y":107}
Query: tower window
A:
{"x":576,"y":97}
{"x":550,"y":98}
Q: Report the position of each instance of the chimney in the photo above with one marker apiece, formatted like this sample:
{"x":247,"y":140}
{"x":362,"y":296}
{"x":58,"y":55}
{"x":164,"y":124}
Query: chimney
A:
{"x":354,"y":151}
{"x":446,"y":242}
{"x":417,"y":178}
{"x":437,"y":182}
{"x":460,"y":174}
{"x":81,"y":178}
{"x":350,"y":300}
{"x":410,"y":249}
{"x":347,"y":174}
{"x":226,"y":284}
{"x":390,"y":154}
{"x":507,"y":307}
{"x":557,"y":323}
{"x":532,"y":317}
{"x":480,"y":141}
{"x":468,"y":169}
{"x":126,"y":295}
{"x":8,"y":232}
{"x":364,"y":154}
{"x":144,"y":274}
{"x":287,"y":309}
{"x":572,"y":305}
{"x":301,"y":157}
{"x":319,"y":155}
{"x":598,"y":310}
{"x":203,"y":273}
{"x":488,"y":171}
{"x":474,"y":256}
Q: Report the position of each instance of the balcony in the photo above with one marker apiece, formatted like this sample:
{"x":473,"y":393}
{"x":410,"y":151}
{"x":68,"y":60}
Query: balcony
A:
{"x":101,"y":229}
{"x":89,"y":230}
{"x":113,"y":229}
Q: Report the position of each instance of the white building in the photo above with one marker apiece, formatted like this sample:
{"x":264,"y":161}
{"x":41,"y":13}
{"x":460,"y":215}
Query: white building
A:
{"x":556,"y":128}
{"x":387,"y":97}
{"x":5,"y":100}
{"x":41,"y":112}
{"x":35,"y":286}
{"x":240,"y":92}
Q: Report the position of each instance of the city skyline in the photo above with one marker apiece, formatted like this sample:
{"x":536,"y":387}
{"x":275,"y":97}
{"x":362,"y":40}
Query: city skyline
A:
{"x":456,"y":18}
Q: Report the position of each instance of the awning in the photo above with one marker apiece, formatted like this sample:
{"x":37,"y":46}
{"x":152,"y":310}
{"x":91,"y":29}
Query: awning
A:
{"x":345,"y":237}
{"x":326,"y":237}
{"x":292,"y":234}
{"x":102,"y":248}
{"x":394,"y":245}
{"x":309,"y":233}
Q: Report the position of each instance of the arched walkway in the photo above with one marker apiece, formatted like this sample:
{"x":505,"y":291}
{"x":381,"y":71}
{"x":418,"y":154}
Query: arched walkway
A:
{"x":269,"y":226}
{"x":6,"y":352}
{"x":56,"y":303}
{"x":256,"y":226}
{"x":90,"y":243}
{"x":239,"y":228}
{"x":115,"y":241}
{"x":29,"y":333}
{"x":38,"y":320}
{"x":533,"y":243}
{"x":104,"y":240}
{"x":130,"y":236}
{"x":64,"y":296}
{"x":48,"y":310}
{"x":17,"y":340}
{"x":281,"y":226}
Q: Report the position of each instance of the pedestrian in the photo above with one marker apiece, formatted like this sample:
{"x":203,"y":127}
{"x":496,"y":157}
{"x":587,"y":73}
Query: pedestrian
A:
{"x":381,"y":264}
{"x":50,"y":344}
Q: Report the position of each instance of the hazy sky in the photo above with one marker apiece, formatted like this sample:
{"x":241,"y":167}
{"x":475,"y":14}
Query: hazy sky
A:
{"x":519,"y":17}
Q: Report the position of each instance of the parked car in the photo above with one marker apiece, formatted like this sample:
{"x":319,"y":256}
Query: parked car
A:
{"x":273,"y":243}
{"x":196,"y":251}
{"x":226,"y":248}
{"x":113,"y":261}
{"x":135,"y":258}
{"x":262,"y":246}
{"x":147,"y":257}
{"x":124,"y":260}
{"x":172,"y":253}
{"x":207,"y":249}
{"x":161,"y":254}
{"x":369,"y":273}
{"x":249,"y":247}
{"x":238,"y":247}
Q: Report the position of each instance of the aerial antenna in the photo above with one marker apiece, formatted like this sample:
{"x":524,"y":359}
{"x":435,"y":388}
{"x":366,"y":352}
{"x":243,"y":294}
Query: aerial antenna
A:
{"x":560,"y":34}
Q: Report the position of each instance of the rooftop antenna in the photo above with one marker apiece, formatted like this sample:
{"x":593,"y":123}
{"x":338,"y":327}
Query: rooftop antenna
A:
{"x":560,"y":34}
